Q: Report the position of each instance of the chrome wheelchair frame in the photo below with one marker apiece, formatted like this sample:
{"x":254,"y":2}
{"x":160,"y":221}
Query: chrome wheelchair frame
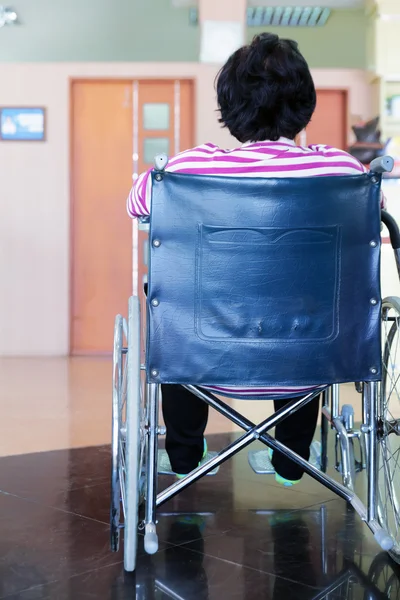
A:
{"x":136,"y":430}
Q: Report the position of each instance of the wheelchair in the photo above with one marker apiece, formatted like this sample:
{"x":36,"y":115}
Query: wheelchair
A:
{"x":275,"y":282}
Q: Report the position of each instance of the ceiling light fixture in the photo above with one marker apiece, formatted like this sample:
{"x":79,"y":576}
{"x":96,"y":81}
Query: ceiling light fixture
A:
{"x":8,"y":16}
{"x":306,"y":16}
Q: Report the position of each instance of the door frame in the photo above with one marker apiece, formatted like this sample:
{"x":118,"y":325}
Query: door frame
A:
{"x":72,"y":82}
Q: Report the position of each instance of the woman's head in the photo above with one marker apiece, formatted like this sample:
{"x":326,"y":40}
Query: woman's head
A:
{"x":265,"y":90}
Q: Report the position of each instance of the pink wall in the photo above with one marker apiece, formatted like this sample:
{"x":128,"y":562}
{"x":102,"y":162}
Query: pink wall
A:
{"x":34,"y":189}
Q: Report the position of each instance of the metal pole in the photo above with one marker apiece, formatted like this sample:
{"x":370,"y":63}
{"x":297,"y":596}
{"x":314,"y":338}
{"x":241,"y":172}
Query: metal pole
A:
{"x":324,"y":430}
{"x":371,"y":400}
{"x":347,"y":471}
{"x":152,"y":453}
{"x":335,"y":401}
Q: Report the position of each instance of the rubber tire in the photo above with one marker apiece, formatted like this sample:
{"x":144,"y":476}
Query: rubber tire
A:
{"x":115,"y":508}
{"x":378,"y":565}
{"x":393,"y":302}
{"x":133,"y":406}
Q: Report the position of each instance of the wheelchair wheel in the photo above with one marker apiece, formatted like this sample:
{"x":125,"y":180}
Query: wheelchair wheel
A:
{"x":388,"y":426}
{"x":384,"y":574}
{"x":127,"y":433}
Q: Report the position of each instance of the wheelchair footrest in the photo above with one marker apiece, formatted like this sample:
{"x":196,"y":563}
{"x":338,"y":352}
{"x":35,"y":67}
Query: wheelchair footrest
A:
{"x":164,"y":466}
{"x":261,"y":464}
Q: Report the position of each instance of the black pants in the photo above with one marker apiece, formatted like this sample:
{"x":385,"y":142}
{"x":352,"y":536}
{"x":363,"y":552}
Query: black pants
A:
{"x":186,"y":416}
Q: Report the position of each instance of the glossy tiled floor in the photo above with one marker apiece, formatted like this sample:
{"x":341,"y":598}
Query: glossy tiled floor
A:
{"x":235,"y":536}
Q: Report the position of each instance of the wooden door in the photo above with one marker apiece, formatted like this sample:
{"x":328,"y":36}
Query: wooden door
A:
{"x":102,"y":124}
{"x":329,"y":123}
{"x":111,"y":122}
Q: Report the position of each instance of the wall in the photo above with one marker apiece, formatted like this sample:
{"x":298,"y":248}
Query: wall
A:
{"x":387,"y":29}
{"x":151,"y":30}
{"x":93,"y":30}
{"x":341,"y":43}
{"x":34,"y":190}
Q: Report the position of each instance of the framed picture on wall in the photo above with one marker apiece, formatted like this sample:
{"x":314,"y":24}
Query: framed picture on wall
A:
{"x":22,"y":124}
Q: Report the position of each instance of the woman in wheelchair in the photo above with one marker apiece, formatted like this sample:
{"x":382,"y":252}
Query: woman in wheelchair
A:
{"x":266,"y":97}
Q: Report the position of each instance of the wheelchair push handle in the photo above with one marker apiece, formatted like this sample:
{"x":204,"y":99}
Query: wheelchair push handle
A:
{"x":382,"y":164}
{"x":160,"y":162}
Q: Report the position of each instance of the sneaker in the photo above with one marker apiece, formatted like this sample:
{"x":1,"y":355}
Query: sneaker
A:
{"x":179,"y":476}
{"x":282,"y":480}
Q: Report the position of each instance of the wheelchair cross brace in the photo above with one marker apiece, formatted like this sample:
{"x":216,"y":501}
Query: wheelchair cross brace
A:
{"x":259,"y":432}
{"x":253,"y":432}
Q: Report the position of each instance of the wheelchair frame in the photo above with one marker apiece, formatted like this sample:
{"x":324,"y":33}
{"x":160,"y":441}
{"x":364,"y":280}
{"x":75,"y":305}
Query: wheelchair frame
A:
{"x":136,"y":430}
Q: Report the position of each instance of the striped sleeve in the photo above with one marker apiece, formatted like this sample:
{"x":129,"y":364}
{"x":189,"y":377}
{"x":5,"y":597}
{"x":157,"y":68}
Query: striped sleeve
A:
{"x":261,"y":159}
{"x":334,"y":155}
{"x":138,"y":203}
{"x":327,"y":150}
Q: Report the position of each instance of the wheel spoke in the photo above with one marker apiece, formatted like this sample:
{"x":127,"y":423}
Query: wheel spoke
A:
{"x":391,"y":360}
{"x":122,"y":484}
{"x":389,"y":476}
{"x":388,"y":509}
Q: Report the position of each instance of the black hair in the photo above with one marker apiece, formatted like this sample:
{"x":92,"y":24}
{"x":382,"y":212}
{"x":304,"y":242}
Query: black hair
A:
{"x":266,"y":91}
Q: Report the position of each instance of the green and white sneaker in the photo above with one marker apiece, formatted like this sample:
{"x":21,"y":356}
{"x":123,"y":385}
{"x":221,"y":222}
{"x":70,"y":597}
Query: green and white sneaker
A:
{"x":282,"y":480}
{"x":205,"y":452}
{"x":164,"y":465}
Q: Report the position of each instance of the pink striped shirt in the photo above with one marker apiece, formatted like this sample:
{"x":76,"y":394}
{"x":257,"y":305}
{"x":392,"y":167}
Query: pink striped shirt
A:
{"x":259,"y":159}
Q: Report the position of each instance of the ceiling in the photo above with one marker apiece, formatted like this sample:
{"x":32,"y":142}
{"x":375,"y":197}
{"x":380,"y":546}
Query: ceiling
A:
{"x":323,"y":3}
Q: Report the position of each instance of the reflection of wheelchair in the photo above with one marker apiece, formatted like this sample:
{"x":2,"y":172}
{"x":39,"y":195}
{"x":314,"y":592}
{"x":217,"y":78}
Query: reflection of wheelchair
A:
{"x":262,"y":283}
{"x":307,"y":564}
{"x":342,"y":570}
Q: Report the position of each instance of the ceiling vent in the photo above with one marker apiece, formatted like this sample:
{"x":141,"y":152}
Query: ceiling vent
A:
{"x":289,"y":16}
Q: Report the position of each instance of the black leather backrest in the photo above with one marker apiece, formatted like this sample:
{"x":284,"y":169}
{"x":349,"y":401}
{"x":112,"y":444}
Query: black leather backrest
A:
{"x":264,"y":282}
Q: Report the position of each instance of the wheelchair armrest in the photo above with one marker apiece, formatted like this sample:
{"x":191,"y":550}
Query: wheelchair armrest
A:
{"x":393,"y":228}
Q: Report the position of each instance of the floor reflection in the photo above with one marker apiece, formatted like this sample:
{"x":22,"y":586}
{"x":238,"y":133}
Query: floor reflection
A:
{"x":304,"y":567}
{"x":235,"y":536}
